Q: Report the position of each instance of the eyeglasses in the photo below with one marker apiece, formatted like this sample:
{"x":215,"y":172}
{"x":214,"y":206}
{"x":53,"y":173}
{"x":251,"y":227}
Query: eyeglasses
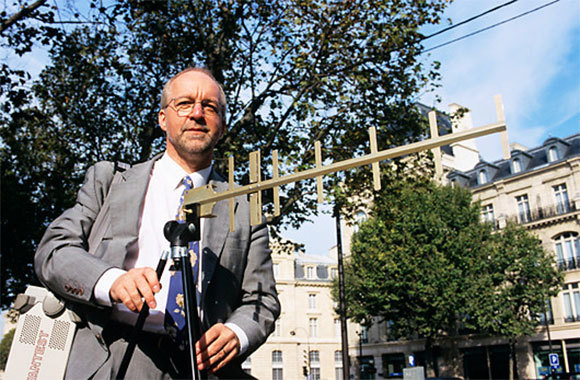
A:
{"x":184,"y":106}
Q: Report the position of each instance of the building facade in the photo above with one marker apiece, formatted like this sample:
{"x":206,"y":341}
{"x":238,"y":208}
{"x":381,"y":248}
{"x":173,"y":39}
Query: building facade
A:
{"x":306,"y":342}
{"x":538,"y":188}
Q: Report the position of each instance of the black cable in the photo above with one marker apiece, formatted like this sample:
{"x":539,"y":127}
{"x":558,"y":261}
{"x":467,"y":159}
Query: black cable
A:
{"x":469,"y":20}
{"x":489,"y":27}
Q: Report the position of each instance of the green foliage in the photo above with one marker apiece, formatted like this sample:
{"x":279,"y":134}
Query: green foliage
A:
{"x":412,"y":261}
{"x":515,"y":284}
{"x":294,"y":72}
{"x":425,"y":263}
{"x":5,"y":345}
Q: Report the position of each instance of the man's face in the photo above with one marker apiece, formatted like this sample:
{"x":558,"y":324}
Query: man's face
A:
{"x":191,"y":136}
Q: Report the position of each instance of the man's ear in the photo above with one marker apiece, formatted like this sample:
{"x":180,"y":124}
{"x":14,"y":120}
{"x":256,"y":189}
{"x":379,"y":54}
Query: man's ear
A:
{"x":161,"y":118}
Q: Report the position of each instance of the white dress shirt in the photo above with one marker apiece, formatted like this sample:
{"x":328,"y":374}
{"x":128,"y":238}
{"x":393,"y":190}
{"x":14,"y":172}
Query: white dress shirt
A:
{"x":161,"y":205}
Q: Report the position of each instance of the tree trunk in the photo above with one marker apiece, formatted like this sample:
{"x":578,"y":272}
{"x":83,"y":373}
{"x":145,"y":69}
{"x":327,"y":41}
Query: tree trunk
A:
{"x":430,"y":358}
{"x":511,"y":361}
{"x":488,"y":362}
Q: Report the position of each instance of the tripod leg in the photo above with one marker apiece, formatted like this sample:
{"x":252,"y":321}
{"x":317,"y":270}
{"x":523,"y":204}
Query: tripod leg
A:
{"x":140,"y":322}
{"x":192,"y":323}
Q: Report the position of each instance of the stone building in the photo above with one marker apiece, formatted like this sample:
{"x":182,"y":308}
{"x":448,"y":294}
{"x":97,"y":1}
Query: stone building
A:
{"x":307,"y":335}
{"x":540,"y":189}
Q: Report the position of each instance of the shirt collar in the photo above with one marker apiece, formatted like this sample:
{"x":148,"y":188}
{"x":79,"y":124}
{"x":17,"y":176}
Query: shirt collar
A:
{"x":174,"y":174}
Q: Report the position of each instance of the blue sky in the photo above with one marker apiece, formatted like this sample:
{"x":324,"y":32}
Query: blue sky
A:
{"x":533,"y":62}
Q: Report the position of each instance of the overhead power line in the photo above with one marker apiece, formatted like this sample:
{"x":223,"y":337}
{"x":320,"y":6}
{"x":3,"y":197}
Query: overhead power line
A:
{"x":469,"y":20}
{"x":490,"y":27}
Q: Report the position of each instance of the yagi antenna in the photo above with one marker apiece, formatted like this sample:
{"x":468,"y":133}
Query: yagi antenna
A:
{"x":206,"y":197}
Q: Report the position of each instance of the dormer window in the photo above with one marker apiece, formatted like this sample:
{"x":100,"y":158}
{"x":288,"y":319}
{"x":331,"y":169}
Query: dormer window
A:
{"x":516,"y":166}
{"x":482,"y":177}
{"x":360,"y":217}
{"x":458,"y":179}
{"x":553,"y":154}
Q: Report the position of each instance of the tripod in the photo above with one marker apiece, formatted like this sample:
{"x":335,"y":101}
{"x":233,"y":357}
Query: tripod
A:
{"x":179,"y":236}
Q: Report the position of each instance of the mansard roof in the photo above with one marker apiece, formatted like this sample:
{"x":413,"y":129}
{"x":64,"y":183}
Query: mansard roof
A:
{"x":538,"y":159}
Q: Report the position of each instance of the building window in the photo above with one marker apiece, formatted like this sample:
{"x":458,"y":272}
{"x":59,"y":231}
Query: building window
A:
{"x":312,"y":301}
{"x":567,"y":250}
{"x":364,"y":334}
{"x":517,"y":166}
{"x":338,"y":374}
{"x":553,"y":154}
{"x":310,"y":272}
{"x":337,"y":331}
{"x":333,"y":273}
{"x":314,"y":357}
{"x":562,"y":203}
{"x":276,"y":357}
{"x":314,"y":373}
{"x":487,"y":213}
{"x":359,"y":217}
{"x":548,"y":312}
{"x":524,"y":208}
{"x":482,"y":177}
{"x":277,"y":374}
{"x":313,"y":326}
{"x":389,"y":327}
{"x":277,"y":365}
{"x":571,"y":299}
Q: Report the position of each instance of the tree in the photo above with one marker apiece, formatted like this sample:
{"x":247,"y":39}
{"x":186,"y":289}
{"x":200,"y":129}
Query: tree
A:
{"x":294,"y":72}
{"x":514,"y":286}
{"x":425,"y":263}
{"x":5,"y":345}
{"x":412,"y":262}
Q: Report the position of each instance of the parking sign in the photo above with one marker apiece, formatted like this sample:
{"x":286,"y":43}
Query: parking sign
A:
{"x":554,"y":361}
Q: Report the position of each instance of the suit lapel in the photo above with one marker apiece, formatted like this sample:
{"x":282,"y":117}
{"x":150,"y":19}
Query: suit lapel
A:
{"x":215,"y":232}
{"x":127,"y":199}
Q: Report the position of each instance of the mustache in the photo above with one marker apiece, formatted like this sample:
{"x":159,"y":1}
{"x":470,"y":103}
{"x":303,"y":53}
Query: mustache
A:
{"x":195,"y":127}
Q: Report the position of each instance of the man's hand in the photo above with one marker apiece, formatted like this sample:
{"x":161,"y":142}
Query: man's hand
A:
{"x":216,"y":348}
{"x":134,"y":286}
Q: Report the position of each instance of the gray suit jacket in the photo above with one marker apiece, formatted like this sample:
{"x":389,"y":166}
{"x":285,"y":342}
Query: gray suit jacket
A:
{"x":237,"y":280}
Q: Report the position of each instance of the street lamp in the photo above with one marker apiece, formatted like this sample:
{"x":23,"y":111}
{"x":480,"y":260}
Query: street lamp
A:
{"x":306,"y":368}
{"x":341,"y":294}
{"x":547,"y":325}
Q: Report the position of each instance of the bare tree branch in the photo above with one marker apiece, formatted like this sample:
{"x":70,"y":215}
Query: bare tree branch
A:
{"x":20,"y":15}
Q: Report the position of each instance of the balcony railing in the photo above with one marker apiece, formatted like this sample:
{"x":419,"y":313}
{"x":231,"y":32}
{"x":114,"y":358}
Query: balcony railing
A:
{"x":570,"y":318}
{"x":546,"y":212}
{"x":570,"y":263}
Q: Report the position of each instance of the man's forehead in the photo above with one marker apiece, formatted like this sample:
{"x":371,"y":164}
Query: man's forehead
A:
{"x":195,"y":81}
